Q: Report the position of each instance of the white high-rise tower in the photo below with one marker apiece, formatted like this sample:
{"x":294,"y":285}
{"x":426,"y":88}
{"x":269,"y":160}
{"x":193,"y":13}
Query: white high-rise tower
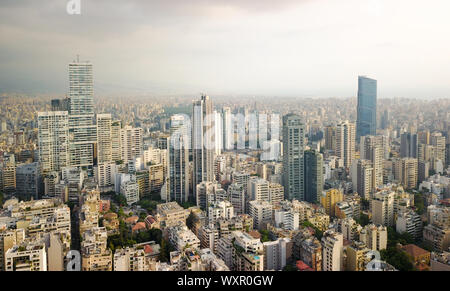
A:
{"x":82,"y":128}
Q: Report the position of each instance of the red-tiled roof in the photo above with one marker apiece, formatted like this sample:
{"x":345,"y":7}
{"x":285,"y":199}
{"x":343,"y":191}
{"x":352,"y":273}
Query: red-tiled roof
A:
{"x":139,"y":226}
{"x":148,"y":249}
{"x":150,"y":219}
{"x":254,"y":234}
{"x":414,"y":250}
{"x":301,"y":266}
{"x":132,"y":219}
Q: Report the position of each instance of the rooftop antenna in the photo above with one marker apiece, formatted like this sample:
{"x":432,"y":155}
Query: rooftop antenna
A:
{"x":78,"y":58}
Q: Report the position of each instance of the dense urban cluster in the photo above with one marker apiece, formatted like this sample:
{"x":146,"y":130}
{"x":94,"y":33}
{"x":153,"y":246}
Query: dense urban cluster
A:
{"x":223,"y":184}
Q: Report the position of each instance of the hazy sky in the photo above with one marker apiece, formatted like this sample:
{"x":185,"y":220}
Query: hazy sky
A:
{"x":260,"y":47}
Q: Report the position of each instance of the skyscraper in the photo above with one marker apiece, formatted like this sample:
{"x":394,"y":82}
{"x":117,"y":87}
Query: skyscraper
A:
{"x":293,"y":157}
{"x":329,"y":199}
{"x":406,"y":172}
{"x":132,"y":143}
{"x":178,"y":149}
{"x":438,"y":141}
{"x":385,"y":119}
{"x":228,"y":130}
{"x":218,"y":132}
{"x":202,"y":141}
{"x":408,"y":145}
{"x":27,"y":181}
{"x":258,"y":189}
{"x":371,"y":148}
{"x":345,"y":142}
{"x":53,"y":140}
{"x":104,"y":140}
{"x":313,"y":175}
{"x":366,"y":123}
{"x":82,"y":128}
{"x":363,"y":178}
{"x":116,"y":143}
{"x":330,"y":138}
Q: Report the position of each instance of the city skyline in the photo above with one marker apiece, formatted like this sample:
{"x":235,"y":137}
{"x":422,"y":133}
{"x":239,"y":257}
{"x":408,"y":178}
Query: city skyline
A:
{"x":217,"y":182}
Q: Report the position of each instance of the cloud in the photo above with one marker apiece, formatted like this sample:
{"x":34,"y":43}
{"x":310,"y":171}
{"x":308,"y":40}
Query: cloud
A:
{"x":228,"y":46}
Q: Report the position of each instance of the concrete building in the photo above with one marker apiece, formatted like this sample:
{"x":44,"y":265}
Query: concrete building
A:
{"x":104,"y":139}
{"x":258,"y":189}
{"x":329,"y":200}
{"x":356,"y":259}
{"x":276,"y":193}
{"x":405,"y":172}
{"x":332,"y":250}
{"x":363,"y":183}
{"x":105,"y":174}
{"x":180,"y":237}
{"x":236,"y":194}
{"x":28,"y":181}
{"x":287,"y":219}
{"x":206,"y":194}
{"x":276,"y":253}
{"x":26,"y":257}
{"x":131,"y":140}
{"x":53,"y":140}
{"x":261,"y":212}
{"x":375,"y":237}
{"x":95,"y":255}
{"x":8,"y":239}
{"x":437,"y":237}
{"x":345,"y":142}
{"x":130,"y":189}
{"x":383,"y":208}
{"x":410,"y":222}
{"x":171,"y":214}
{"x":371,"y":148}
{"x":221,"y":209}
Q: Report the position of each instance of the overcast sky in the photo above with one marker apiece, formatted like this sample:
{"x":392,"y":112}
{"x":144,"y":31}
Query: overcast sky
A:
{"x":261,"y":47}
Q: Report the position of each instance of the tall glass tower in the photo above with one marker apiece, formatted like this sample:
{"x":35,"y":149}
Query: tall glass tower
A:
{"x":82,"y":128}
{"x":293,"y":157}
{"x":202,"y":144}
{"x":366,"y":123}
{"x":313,"y":175}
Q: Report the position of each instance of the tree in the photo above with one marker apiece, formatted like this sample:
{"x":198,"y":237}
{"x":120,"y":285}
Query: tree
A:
{"x":363,"y":219}
{"x":120,"y":199}
{"x":165,"y":249}
{"x":142,"y":216}
{"x":121,"y":213}
{"x":264,"y":235}
{"x":395,"y":238}
{"x":188,"y":204}
{"x":190,"y":220}
{"x":147,"y":204}
{"x":290,"y":268}
{"x":419,"y":203}
{"x":113,"y":208}
{"x":397,"y":258}
{"x":365,"y":203}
